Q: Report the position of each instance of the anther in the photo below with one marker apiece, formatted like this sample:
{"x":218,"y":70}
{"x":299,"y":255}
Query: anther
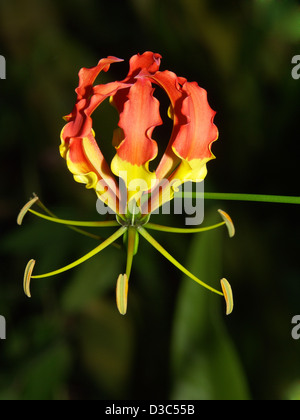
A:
{"x":227,"y":291}
{"x":26,"y":208}
{"x":27,"y":277}
{"x":122,"y":293}
{"x":229,"y":223}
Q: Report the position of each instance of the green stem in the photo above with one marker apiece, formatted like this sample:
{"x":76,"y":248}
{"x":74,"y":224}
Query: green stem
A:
{"x":169,"y":257}
{"x":89,"y":255}
{"x":243,"y":197}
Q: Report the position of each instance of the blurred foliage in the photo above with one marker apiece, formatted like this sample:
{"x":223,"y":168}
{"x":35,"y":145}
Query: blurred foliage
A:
{"x":69,"y":342}
{"x":205,"y":363}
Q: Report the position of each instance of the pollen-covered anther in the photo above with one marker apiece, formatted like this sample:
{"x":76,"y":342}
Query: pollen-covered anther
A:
{"x":27,"y":277}
{"x":229,"y":223}
{"x":227,"y":291}
{"x":122,"y":293}
{"x":25,"y":209}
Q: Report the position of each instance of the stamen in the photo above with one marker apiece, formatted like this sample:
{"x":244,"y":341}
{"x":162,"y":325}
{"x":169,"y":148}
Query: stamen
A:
{"x":25,"y":209}
{"x":225,"y":217}
{"x":122,"y":293}
{"x":71,"y":224}
{"x":89,"y":255}
{"x":27,"y":277}
{"x":169,"y":257}
{"x":227,"y":290}
{"x":111,"y":223}
{"x":161,"y":228}
{"x":229,"y":223}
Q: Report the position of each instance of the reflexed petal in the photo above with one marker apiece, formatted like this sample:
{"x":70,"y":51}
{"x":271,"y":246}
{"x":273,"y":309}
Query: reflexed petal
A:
{"x":78,"y":145}
{"x":194,"y":140}
{"x":138,"y":120}
{"x":189,"y":148}
{"x":86,"y":162}
{"x":172,"y":86}
{"x":200,"y":132}
{"x":145,"y":64}
{"x":87,"y":77}
{"x":80,"y":121}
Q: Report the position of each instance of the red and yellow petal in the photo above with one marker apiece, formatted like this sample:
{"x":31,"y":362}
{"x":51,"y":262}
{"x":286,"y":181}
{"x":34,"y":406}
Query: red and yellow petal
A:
{"x":78,"y":145}
{"x":87,"y":76}
{"x":139,"y":118}
{"x":197,"y":136}
{"x":194,"y":131}
{"x":189,"y":148}
{"x":194,"y":140}
{"x":88,"y":166}
{"x":145,"y":64}
{"x":80,"y":121}
{"x":171,"y":84}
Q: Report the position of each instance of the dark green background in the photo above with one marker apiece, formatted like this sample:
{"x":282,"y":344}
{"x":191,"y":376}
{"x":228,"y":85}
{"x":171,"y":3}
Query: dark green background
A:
{"x":69,"y":342}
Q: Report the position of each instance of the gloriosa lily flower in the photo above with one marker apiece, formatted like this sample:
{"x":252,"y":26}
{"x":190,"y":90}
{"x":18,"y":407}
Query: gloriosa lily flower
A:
{"x":141,"y":191}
